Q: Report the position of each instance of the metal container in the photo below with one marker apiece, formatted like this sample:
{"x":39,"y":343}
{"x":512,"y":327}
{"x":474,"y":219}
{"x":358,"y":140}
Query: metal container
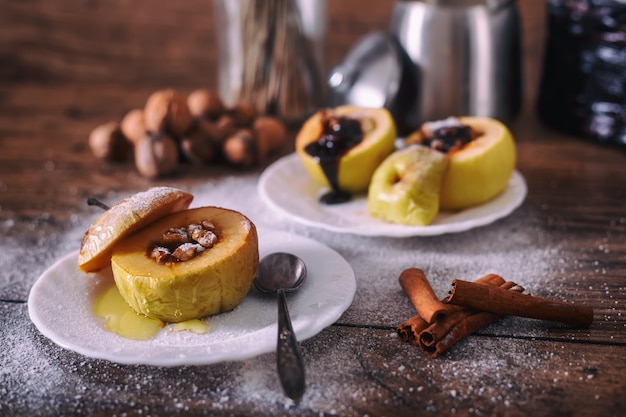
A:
{"x":270,"y":55}
{"x":583,"y":85}
{"x":466,"y":56}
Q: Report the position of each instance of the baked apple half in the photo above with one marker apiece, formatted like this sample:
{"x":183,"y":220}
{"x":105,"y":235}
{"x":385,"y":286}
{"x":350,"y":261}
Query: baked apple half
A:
{"x":341,"y":147}
{"x":482,"y":157}
{"x":125,"y":217}
{"x":188,"y":264}
{"x":405,"y":186}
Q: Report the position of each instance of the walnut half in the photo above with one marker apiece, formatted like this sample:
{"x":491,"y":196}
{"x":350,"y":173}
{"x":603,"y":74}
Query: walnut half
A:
{"x":182,"y":244}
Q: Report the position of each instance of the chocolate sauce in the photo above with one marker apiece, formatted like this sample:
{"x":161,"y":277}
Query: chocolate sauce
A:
{"x":339,"y":135}
{"x":446,"y":135}
{"x":449,"y":138}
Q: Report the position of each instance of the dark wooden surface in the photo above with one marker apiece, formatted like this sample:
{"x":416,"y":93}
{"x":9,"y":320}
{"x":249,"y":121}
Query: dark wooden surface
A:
{"x":66,"y":66}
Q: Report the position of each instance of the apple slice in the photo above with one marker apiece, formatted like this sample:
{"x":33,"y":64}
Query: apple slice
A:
{"x":215,"y":279}
{"x":480,"y":169}
{"x":127,"y":216}
{"x":354,"y":164}
{"x":405,"y":187}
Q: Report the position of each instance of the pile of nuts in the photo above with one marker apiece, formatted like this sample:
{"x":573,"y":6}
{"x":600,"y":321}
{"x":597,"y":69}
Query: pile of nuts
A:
{"x":198,"y":128}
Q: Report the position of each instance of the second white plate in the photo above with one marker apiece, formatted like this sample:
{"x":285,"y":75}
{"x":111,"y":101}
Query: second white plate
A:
{"x":286,"y":187}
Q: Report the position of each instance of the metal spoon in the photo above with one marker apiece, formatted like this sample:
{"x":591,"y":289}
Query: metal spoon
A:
{"x":278,"y":273}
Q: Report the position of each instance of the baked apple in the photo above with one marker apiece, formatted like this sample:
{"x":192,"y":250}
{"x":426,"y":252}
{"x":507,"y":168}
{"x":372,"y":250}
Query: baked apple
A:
{"x":188,"y":264}
{"x":481,"y":154}
{"x":340,"y":148}
{"x":130,"y":214}
{"x":405,"y":186}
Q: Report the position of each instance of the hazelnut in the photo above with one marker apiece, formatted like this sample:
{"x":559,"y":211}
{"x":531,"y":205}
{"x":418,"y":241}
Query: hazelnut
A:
{"x":203,"y":144}
{"x":241,"y":148}
{"x":270,"y":133}
{"x":205,"y":103}
{"x":156,"y":155}
{"x":198,"y":149}
{"x":133,"y":126}
{"x":209,"y":130}
{"x":108,"y":143}
{"x":244,"y":114}
{"x":226,"y":126}
{"x":167,"y":111}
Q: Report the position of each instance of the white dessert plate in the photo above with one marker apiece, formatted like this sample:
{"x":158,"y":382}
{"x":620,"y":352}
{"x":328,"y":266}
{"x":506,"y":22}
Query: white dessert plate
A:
{"x":286,"y":187}
{"x":60,"y":304}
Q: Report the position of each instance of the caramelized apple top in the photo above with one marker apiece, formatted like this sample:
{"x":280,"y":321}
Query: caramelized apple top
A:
{"x":124,"y":218}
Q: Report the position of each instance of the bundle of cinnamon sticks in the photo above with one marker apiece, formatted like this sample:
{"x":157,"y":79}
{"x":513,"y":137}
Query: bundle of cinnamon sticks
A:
{"x":470,"y":306}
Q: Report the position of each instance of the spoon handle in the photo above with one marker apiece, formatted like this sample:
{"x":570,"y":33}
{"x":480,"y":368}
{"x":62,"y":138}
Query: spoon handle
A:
{"x":288,"y":358}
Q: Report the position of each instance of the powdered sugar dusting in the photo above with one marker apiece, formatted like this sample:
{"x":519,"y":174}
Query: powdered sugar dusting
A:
{"x":155,"y":196}
{"x":348,"y":382}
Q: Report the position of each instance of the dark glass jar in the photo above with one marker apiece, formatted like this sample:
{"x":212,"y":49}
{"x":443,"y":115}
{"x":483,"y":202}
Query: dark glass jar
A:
{"x":583,"y":87}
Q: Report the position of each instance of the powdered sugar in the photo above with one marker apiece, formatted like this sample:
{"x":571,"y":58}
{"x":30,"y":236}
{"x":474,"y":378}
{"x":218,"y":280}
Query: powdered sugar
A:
{"x":343,"y":370}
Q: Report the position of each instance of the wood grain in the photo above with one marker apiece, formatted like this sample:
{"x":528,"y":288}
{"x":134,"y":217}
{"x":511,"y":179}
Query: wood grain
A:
{"x":67,"y":66}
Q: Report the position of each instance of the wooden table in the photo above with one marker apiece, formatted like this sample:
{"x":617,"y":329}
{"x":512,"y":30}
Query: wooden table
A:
{"x":68,"y":67}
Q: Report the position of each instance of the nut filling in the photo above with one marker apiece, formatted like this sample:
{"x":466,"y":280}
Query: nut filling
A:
{"x":182,"y":244}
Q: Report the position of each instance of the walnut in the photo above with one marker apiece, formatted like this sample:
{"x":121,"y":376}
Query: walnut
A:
{"x":204,"y":236}
{"x":182,"y":244}
{"x":167,"y":111}
{"x":160,"y":254}
{"x":187,"y":251}
{"x":243,"y":114}
{"x":176,"y":236}
{"x":225,"y":126}
{"x":247,"y":147}
{"x":205,"y":103}
{"x":156,"y":155}
{"x":270,"y":134}
{"x":108,"y":143}
{"x":241,"y":148}
{"x":203,"y":144}
{"x":133,"y":126}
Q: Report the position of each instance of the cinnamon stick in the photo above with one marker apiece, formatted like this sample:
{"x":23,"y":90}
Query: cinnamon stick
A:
{"x":441,"y":336}
{"x":489,"y":279}
{"x":432,"y":337}
{"x":469,"y":322}
{"x":432,"y":334}
{"x":504,"y":302}
{"x":410,"y":330}
{"x":416,"y":286}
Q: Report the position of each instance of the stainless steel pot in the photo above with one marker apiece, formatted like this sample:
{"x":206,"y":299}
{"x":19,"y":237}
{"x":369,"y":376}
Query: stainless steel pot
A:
{"x":466,"y":56}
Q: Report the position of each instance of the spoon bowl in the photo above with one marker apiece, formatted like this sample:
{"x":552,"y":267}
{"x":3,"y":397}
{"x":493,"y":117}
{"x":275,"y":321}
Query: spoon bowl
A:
{"x":278,"y":273}
{"x":280,"y":270}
